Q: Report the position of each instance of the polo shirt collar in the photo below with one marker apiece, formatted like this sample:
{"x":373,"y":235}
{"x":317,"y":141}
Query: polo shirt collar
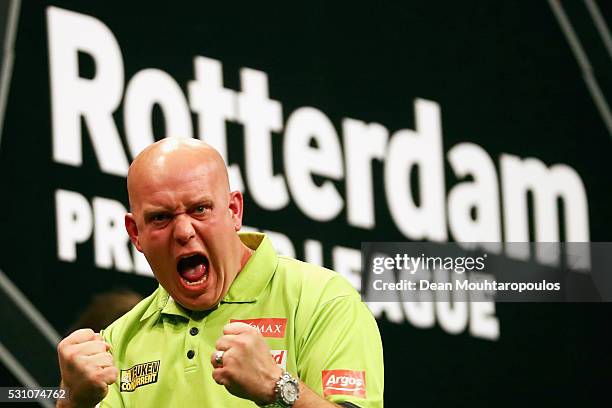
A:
{"x":256,"y":273}
{"x":164,"y":304}
{"x":247,"y":286}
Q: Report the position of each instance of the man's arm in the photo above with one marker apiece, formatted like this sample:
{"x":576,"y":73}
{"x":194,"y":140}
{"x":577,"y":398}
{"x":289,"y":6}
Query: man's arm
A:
{"x":340,"y":355}
{"x":249,"y":371}
{"x":310,"y":399}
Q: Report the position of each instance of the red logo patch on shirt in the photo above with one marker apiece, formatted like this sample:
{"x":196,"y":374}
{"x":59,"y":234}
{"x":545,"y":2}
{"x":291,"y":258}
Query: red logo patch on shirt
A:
{"x":347,"y":382}
{"x":280,"y":357}
{"x":267,"y":326}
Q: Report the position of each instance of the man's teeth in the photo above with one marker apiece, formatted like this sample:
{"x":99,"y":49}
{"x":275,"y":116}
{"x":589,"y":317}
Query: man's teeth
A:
{"x":202,"y":280}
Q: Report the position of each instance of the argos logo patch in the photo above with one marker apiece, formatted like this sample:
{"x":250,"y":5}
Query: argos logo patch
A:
{"x":347,"y":382}
{"x":267,"y":326}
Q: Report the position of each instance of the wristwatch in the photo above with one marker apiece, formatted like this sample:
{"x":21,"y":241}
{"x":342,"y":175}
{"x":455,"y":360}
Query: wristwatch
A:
{"x":287,"y":390}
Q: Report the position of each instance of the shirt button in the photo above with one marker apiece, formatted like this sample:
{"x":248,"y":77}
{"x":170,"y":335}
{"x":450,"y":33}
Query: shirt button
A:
{"x":193,"y":331}
{"x":190,"y":354}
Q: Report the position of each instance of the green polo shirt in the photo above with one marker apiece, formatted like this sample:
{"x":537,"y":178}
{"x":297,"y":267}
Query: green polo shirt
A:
{"x":311,"y":318}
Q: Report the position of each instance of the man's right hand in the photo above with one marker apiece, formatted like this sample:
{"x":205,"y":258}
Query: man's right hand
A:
{"x":87,"y":368}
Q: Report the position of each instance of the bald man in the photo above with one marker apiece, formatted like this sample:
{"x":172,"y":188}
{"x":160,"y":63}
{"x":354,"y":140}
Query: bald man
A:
{"x":229,"y":312}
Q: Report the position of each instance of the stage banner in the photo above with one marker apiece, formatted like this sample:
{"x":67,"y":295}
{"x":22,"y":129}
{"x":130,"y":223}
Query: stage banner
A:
{"x":346,"y":126}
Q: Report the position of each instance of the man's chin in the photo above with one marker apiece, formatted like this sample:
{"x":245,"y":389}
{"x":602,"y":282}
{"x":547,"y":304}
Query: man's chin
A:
{"x":197,"y":296}
{"x":198,"y":304}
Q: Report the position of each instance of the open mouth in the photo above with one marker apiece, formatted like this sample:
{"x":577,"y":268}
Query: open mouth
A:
{"x":193,"y":269}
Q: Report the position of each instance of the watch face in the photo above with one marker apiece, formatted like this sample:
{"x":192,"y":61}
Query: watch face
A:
{"x":290,"y":392}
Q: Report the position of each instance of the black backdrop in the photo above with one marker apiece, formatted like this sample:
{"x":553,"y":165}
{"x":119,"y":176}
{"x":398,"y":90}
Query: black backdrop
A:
{"x":505,"y":78}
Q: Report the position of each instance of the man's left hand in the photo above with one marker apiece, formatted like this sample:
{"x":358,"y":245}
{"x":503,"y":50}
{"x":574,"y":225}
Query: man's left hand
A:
{"x":248,"y":370}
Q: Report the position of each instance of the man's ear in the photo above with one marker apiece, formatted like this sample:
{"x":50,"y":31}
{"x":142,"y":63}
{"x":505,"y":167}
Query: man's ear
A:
{"x":132,"y":230}
{"x":235,"y":209}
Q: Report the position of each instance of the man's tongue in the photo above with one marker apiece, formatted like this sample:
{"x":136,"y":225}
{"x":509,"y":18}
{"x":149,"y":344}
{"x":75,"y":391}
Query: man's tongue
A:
{"x":193,"y":268}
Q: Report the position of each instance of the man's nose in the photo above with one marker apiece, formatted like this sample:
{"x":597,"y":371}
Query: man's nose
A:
{"x":183,"y":229}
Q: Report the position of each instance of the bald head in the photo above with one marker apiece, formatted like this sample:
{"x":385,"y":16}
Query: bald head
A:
{"x":168,"y":158}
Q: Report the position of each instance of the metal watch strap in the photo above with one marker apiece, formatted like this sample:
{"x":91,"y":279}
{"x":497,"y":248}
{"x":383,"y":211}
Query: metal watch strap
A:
{"x":282,"y":381}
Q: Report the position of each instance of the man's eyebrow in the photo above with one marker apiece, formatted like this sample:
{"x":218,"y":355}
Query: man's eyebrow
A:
{"x":199,"y":201}
{"x":151,"y":211}
{"x":160,"y":209}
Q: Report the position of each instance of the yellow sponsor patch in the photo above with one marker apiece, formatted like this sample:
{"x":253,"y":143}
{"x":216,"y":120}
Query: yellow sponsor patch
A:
{"x":139,"y":375}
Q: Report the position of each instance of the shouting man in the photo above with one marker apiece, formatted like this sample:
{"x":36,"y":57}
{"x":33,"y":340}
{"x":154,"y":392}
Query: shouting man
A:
{"x":232,"y":324}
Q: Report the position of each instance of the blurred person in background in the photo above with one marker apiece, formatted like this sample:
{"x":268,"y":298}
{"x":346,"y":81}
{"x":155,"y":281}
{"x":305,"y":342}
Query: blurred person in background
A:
{"x":105,"y":308}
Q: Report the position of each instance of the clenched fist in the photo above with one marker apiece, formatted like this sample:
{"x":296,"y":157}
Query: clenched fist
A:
{"x":87,"y":368}
{"x":247,"y":369}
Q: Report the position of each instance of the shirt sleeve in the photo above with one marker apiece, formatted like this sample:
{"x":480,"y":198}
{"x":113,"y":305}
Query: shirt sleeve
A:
{"x":340,"y":355}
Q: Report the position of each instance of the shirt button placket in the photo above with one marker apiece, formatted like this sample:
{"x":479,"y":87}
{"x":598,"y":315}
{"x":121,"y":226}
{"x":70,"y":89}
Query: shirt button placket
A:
{"x":191,"y":345}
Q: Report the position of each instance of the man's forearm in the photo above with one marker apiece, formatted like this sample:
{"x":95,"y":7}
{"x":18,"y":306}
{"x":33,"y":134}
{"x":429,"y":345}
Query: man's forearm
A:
{"x":310,"y":399}
{"x":67,"y":402}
